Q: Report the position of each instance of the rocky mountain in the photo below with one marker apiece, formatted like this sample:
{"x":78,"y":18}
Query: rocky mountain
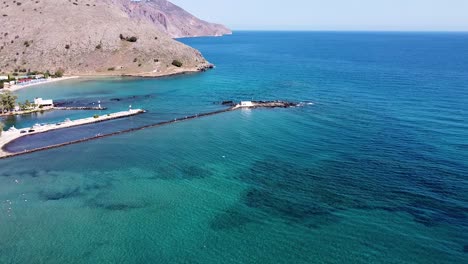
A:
{"x":99,"y":37}
{"x":172,"y":19}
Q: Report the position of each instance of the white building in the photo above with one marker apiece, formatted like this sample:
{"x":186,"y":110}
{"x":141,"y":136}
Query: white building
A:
{"x":40,"y":102}
{"x":246,"y":104}
{"x":38,"y":76}
{"x":2,"y":78}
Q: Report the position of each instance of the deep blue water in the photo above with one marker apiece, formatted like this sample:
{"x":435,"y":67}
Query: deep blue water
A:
{"x":375,"y":171}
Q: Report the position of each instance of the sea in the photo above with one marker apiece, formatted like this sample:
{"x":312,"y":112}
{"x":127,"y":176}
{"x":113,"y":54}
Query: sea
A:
{"x":372,"y":167}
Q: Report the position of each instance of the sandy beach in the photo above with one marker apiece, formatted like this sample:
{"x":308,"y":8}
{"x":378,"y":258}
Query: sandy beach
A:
{"x":17,"y":87}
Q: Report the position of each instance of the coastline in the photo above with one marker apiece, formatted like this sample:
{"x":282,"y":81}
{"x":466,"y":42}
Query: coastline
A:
{"x":175,"y":72}
{"x":151,"y":74}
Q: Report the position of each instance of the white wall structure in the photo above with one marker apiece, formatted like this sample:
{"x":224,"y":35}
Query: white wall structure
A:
{"x":246,"y":103}
{"x":41,"y":102}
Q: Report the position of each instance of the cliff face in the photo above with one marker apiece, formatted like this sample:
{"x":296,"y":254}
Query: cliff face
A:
{"x":90,"y":37}
{"x":172,"y":19}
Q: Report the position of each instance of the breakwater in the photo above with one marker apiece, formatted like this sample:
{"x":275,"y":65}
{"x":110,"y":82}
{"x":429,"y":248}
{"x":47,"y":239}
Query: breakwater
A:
{"x":265,"y":104}
{"x":10,"y":136}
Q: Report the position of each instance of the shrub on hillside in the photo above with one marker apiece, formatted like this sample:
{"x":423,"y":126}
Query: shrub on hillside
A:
{"x":59,"y":73}
{"x":132,"y":39}
{"x":177,"y":63}
{"x":129,"y":39}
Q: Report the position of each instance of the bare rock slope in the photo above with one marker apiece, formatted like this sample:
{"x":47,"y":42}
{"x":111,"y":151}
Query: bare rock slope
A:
{"x":89,"y":37}
{"x":172,"y":19}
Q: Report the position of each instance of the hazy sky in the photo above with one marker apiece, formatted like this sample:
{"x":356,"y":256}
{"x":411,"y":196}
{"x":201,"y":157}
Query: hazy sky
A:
{"x":439,"y":15}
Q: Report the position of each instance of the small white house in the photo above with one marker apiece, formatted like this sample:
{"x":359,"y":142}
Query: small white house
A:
{"x":2,"y":78}
{"x":40,"y":102}
{"x":246,"y":103}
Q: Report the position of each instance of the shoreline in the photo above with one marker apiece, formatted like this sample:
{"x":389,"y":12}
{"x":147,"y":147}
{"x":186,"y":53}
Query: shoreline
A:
{"x":17,"y":87}
{"x":155,"y":75}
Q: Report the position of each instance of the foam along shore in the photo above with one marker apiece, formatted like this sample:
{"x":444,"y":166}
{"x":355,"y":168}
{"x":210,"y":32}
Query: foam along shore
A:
{"x":17,"y":87}
{"x":13,"y":134}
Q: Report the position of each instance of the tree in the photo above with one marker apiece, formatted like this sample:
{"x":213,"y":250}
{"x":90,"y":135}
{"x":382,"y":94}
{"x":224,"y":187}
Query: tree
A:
{"x":27,"y":105}
{"x":7,"y":101}
{"x":1,"y":128}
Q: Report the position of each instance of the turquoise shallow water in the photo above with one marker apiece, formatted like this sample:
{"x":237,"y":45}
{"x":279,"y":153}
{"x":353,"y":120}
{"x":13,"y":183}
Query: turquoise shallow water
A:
{"x":375,"y":171}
